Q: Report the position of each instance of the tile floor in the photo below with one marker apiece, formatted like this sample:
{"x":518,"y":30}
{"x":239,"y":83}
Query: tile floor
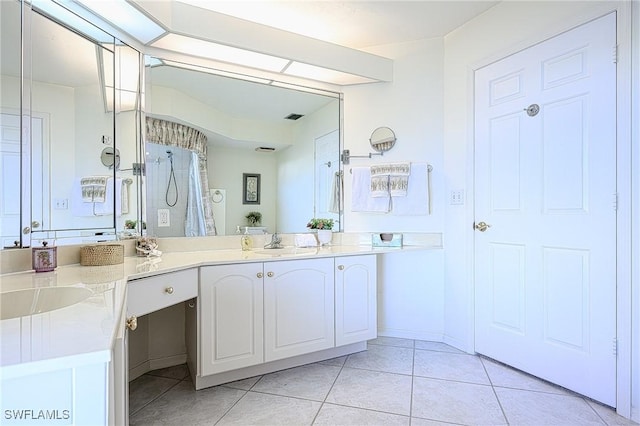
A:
{"x":394,"y":382}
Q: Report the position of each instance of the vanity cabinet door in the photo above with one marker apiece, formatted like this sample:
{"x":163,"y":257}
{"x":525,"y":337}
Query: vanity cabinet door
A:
{"x":298,"y":307}
{"x":231,"y":315}
{"x":356,"y":307}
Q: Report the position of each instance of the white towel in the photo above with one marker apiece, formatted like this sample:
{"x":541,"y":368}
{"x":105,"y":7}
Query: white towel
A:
{"x":124,"y":199}
{"x":361,"y":199}
{"x":416,"y":202}
{"x":336,"y":191}
{"x":82,"y":208}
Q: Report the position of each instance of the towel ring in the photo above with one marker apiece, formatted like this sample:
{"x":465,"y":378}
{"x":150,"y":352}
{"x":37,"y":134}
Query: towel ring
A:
{"x":219,"y":194}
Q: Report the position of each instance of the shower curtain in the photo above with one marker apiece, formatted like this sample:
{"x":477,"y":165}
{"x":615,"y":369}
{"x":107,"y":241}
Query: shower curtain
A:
{"x":199,"y":217}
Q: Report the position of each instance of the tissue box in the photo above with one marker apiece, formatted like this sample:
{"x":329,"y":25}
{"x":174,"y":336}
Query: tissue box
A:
{"x":386,"y":239}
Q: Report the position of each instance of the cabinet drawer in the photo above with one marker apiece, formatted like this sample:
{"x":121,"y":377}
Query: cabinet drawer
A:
{"x":147,"y":295}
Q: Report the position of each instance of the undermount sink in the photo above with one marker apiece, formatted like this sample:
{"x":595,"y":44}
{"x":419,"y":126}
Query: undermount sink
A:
{"x":287,"y":251}
{"x":20,"y":303}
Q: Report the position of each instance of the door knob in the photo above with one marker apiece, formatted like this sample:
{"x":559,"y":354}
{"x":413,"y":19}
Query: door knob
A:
{"x":35,"y":224}
{"x":481,"y":226}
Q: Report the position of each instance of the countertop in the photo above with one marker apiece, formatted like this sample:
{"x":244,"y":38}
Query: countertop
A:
{"x":84,"y":332}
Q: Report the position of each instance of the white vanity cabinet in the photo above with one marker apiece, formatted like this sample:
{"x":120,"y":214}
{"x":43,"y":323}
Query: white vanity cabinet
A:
{"x":256,"y":318}
{"x":356,"y":299}
{"x":231,"y":313}
{"x":298,"y":307}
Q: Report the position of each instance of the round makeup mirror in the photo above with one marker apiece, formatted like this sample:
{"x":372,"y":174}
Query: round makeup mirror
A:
{"x":382,"y":139}
{"x":110,"y":157}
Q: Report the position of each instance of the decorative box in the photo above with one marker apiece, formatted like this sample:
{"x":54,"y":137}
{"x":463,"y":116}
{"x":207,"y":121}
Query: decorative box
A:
{"x":44,"y":259}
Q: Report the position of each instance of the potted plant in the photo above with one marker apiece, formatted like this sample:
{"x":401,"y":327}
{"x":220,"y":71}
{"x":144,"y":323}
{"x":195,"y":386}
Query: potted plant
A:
{"x":254,"y":218}
{"x":320,"y":224}
{"x":323,"y":228}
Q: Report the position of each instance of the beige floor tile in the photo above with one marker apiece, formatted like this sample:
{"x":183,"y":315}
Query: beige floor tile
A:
{"x":311,"y":381}
{"x":338,"y":362}
{"x":390,"y":359}
{"x":450,"y":366}
{"x":331,"y":414}
{"x":392,"y":341}
{"x":244,"y":384}
{"x":417,"y":421}
{"x":262,"y":409}
{"x":609,"y":415}
{"x":183,"y":405}
{"x":436,"y":346}
{"x":538,"y":408}
{"x":178,"y":372}
{"x":454,"y":402}
{"x":146,"y":388}
{"x":374,"y":390}
{"x":507,"y":377}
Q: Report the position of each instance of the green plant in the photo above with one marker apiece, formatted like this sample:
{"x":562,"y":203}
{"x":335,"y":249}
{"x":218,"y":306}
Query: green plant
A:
{"x":130,"y":224}
{"x":254,"y":218}
{"x":320,"y":224}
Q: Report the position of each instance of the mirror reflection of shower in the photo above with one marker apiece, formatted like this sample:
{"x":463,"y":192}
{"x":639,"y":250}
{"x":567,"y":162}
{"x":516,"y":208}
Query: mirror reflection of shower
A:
{"x":168,"y":175}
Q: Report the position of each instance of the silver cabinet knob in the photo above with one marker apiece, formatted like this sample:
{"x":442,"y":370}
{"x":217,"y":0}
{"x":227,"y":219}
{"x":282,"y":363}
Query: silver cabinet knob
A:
{"x":341,"y":267}
{"x":35,"y":224}
{"x":168,"y":290}
{"x":270,"y":274}
{"x":259,"y":275}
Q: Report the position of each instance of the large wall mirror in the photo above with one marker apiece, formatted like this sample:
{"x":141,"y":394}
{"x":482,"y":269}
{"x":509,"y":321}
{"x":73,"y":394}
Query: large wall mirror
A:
{"x":288,"y":137}
{"x":76,"y":100}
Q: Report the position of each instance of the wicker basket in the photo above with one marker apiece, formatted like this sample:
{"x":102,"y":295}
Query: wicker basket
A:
{"x":101,"y":254}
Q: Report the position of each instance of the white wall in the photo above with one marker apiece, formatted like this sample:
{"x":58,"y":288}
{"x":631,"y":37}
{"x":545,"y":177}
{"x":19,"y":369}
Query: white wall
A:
{"x":225,"y":168}
{"x":296,"y":169}
{"x":411,"y":285}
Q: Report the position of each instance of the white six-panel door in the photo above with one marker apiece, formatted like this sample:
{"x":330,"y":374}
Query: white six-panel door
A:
{"x":545,"y":183}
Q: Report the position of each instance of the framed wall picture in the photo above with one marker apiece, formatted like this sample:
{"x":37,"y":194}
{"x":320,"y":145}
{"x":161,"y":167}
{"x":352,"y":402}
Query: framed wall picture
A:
{"x":250,"y":188}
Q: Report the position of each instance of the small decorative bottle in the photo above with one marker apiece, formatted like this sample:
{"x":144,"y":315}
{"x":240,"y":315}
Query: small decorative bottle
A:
{"x":245,"y":241}
{"x":44,"y":259}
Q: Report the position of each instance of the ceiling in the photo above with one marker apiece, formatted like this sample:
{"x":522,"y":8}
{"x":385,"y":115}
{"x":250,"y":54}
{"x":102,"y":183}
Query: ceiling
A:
{"x":355,"y":24}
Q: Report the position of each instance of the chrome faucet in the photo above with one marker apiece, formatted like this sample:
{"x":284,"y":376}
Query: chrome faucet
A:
{"x":276,"y":242}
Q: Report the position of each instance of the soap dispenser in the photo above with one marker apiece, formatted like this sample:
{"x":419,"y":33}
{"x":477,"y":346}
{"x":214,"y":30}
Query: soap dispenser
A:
{"x":245,"y":241}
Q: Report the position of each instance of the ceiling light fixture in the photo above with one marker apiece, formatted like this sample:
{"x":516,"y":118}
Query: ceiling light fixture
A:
{"x":120,"y":90}
{"x":220,"y":52}
{"x":126,"y":17}
{"x":211,"y":71}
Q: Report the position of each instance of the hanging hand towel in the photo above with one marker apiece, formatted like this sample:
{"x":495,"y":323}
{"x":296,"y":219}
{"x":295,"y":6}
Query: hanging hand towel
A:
{"x":390,"y":179}
{"x":361,"y":199}
{"x":416,"y":202}
{"x":336,"y":191}
{"x":94,"y":189}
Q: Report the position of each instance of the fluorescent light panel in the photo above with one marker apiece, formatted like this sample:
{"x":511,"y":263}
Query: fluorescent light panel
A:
{"x":324,"y":74}
{"x":233,"y":55}
{"x":212,"y":71}
{"x":69,"y":18}
{"x":126,"y":17}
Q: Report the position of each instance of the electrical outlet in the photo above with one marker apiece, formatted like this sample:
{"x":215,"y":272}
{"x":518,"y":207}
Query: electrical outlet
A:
{"x":163,"y":218}
{"x":457,"y":197}
{"x":60,"y":203}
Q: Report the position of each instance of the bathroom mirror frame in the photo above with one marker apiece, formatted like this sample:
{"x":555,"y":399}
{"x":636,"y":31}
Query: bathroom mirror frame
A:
{"x":122,"y":128}
{"x":182,"y":64}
